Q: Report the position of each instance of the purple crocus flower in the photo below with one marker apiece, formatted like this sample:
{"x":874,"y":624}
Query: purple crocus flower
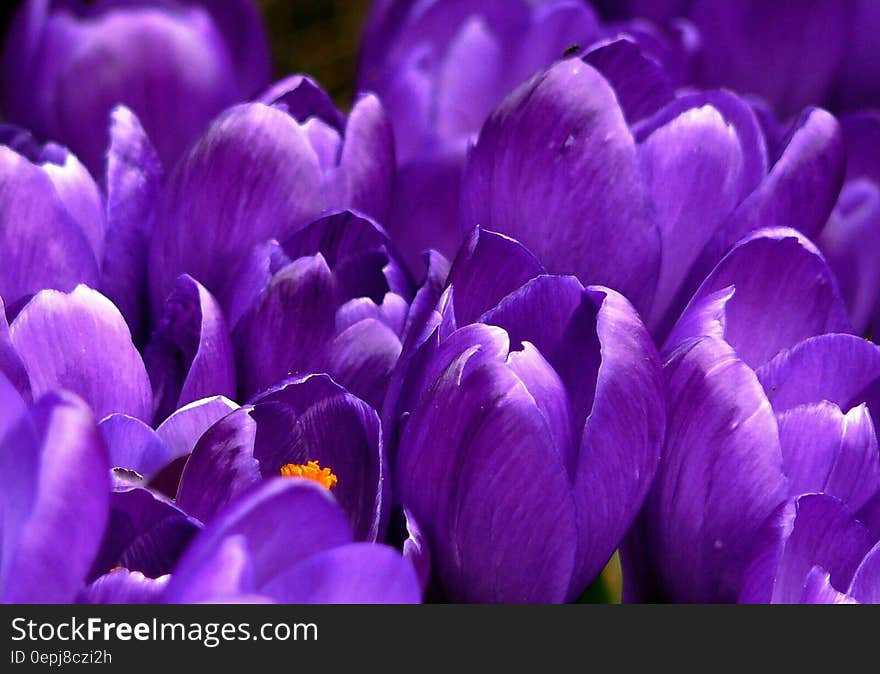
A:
{"x":768,"y":398}
{"x":177,"y":64}
{"x":602,"y":172}
{"x":263,"y":171}
{"x":548,"y":402}
{"x":792,"y":53}
{"x":814,"y":550}
{"x":440,"y":67}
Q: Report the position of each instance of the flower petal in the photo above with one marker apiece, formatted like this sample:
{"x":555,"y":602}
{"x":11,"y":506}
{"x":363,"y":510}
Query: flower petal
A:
{"x":79,"y":341}
{"x":623,"y":435}
{"x":807,"y":531}
{"x":122,"y":586}
{"x":41,"y":244}
{"x":54,"y":486}
{"x":357,"y":573}
{"x":719,"y":478}
{"x":783,"y":293}
{"x":826,"y":451}
{"x":486,"y":546}
{"x":488,"y":267}
{"x":144,"y":533}
{"x":254,"y":156}
{"x":189,"y":355}
{"x":134,"y":178}
{"x":555,"y":167}
{"x":311,"y":522}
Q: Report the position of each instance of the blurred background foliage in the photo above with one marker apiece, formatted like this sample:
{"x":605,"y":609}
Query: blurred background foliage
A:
{"x":318,"y":37}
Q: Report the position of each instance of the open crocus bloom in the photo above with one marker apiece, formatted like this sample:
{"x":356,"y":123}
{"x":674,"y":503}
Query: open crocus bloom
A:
{"x":554,"y":446}
{"x":769,"y":398}
{"x":177,"y":64}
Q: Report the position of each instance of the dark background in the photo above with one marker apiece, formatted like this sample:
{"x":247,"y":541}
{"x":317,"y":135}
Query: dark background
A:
{"x":318,"y":37}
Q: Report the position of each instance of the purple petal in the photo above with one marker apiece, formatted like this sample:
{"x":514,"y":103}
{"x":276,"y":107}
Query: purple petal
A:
{"x":799,"y":192}
{"x":783,"y":293}
{"x":79,"y":341}
{"x":13,"y":405}
{"x":180,"y":431}
{"x":31,"y":216}
{"x":641,"y":84}
{"x":189,"y":355}
{"x":358,"y":573}
{"x":122,"y":586}
{"x":54,"y":486}
{"x":367,"y":163}
{"x":133,"y":445}
{"x":241,"y":24}
{"x":818,"y":589}
{"x":556,"y":168}
{"x":808,"y":531}
{"x":488,"y":267}
{"x":827,"y":451}
{"x":842,"y":369}
{"x":701,"y":156}
{"x":556,"y":315}
{"x":850,"y":242}
{"x":720,"y":477}
{"x":221,"y":467}
{"x":134,"y":177}
{"x":265,"y":532}
{"x":865,"y":586}
{"x":144,"y":533}
{"x":11,"y":365}
{"x":302,"y":97}
{"x":362,"y":358}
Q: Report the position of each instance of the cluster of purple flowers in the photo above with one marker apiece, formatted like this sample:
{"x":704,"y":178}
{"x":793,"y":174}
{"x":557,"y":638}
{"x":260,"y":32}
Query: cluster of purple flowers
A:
{"x":567,"y":279}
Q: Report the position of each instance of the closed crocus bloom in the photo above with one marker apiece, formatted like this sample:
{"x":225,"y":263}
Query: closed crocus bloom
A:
{"x":440,"y":67}
{"x":288,"y":541}
{"x":551,"y":408}
{"x":177,"y":64}
{"x":851,"y":239}
{"x":54,"y":493}
{"x":603,"y":173}
{"x":263,"y":171}
{"x":52,"y":224}
{"x":814,"y":550}
{"x":333,"y":297}
{"x":767,"y":399}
